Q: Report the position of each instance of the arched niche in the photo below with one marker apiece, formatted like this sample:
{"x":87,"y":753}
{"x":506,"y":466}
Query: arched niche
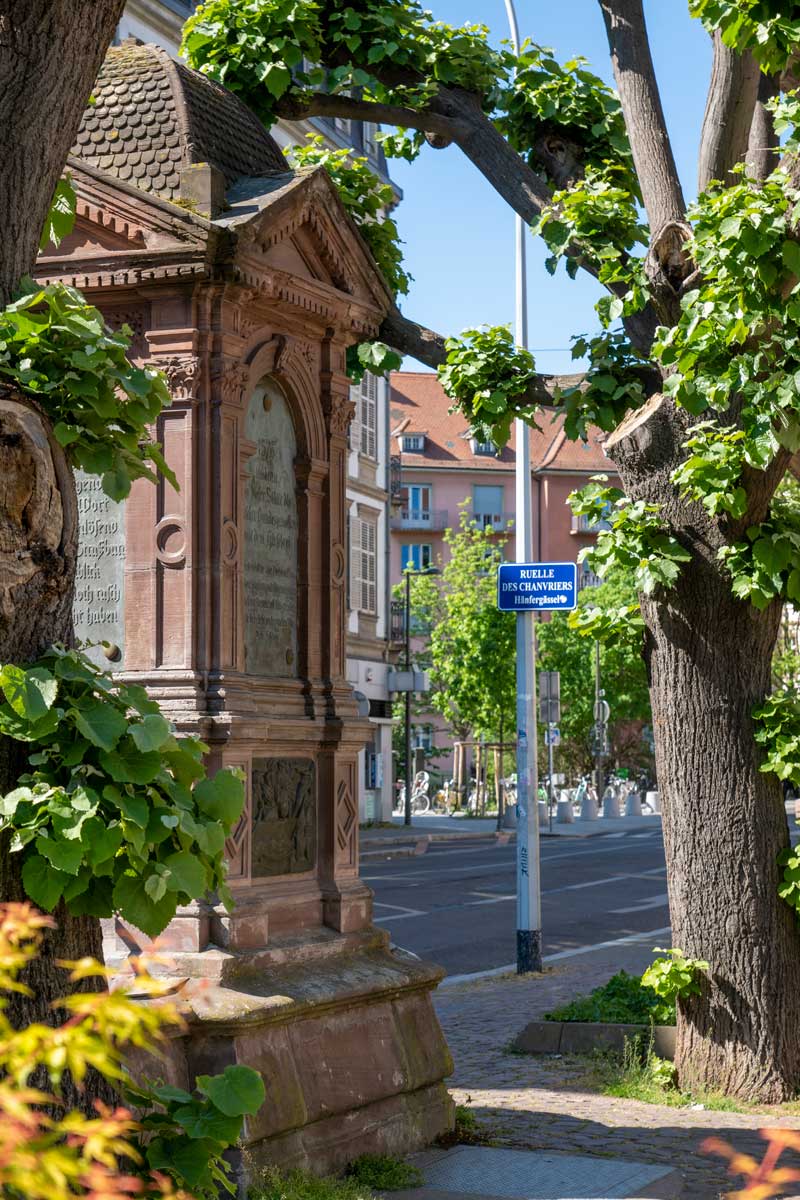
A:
{"x":271,"y":528}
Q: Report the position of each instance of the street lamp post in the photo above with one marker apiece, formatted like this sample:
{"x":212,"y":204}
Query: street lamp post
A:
{"x":529,"y":918}
{"x":408,"y":573}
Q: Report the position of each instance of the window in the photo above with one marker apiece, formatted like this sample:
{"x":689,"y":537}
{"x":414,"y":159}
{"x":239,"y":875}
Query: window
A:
{"x":487,"y":505}
{"x":587,"y":523}
{"x":412,"y":441}
{"x":418,"y":556}
{"x":417,"y":504}
{"x":422,"y":738}
{"x":367,"y":409}
{"x":370,"y":142}
{"x":479,"y":447}
{"x":363,"y":565}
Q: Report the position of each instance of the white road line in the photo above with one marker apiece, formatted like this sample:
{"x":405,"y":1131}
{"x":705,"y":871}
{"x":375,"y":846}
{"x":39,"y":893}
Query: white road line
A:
{"x":401,"y":914}
{"x":653,"y":902}
{"x":450,"y":980}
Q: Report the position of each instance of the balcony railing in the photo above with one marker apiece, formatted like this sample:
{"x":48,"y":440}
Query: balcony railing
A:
{"x":421,"y":518}
{"x":585,"y":523}
{"x":496,"y":520}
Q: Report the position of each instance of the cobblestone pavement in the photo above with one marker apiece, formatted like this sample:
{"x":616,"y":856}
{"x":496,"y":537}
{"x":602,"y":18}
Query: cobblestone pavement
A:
{"x":544,"y":1103}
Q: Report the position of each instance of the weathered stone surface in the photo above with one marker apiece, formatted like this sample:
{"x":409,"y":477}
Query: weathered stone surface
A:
{"x":582,"y":1037}
{"x":98,"y":610}
{"x":271,"y":522}
{"x":284,"y":816}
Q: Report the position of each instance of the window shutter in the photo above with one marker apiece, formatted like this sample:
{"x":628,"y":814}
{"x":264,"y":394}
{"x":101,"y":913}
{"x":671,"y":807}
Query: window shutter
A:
{"x":355,"y":563}
{"x":355,"y":424}
{"x":370,"y":566}
{"x":369,"y":415}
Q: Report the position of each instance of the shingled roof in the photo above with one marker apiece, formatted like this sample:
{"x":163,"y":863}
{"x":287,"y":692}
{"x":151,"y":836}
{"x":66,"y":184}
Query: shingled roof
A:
{"x":152,"y":116}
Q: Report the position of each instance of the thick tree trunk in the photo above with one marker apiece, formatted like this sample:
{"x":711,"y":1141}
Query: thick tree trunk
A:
{"x":38,"y":551}
{"x":709,"y":659}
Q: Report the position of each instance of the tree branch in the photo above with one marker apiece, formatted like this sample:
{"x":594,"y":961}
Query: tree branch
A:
{"x":428,"y":347}
{"x":323,"y":104}
{"x":730,"y":105}
{"x":644,"y":116}
{"x":763,"y":152}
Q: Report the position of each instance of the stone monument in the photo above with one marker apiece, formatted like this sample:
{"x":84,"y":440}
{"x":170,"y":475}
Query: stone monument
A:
{"x":245,"y":283}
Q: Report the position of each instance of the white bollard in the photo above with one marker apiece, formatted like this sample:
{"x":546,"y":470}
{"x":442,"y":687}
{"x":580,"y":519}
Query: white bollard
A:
{"x":610,"y":803}
{"x":544,"y":820}
{"x":564,"y":814}
{"x":654,"y":800}
{"x":588,"y":808}
{"x":633,"y":804}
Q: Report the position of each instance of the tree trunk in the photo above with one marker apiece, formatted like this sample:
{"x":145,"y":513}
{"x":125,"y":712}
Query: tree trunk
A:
{"x":709,"y":657}
{"x":709,"y":662}
{"x":38,"y":552}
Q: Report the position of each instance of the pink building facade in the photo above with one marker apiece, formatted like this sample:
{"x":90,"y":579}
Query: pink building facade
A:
{"x":441,"y":468}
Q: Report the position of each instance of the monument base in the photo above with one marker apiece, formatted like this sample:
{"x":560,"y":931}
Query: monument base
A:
{"x":344,"y":1034}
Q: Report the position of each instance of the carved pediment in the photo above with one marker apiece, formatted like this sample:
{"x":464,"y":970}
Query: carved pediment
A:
{"x":300,"y":229}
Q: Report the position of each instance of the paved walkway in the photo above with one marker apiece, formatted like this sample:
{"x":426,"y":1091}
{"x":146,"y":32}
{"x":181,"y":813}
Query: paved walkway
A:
{"x":543,"y":1103}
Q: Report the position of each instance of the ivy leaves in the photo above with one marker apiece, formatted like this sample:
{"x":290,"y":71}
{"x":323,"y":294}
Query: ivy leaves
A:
{"x":57,"y":347}
{"x":755,"y":25}
{"x":117,"y":814}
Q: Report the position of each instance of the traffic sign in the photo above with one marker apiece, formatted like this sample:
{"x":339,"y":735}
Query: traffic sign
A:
{"x":543,"y":587}
{"x":602,"y":711}
{"x":552,"y":736}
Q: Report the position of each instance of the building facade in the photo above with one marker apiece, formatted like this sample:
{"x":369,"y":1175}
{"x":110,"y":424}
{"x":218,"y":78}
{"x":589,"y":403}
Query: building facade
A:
{"x":368,"y":644}
{"x":443,"y":470}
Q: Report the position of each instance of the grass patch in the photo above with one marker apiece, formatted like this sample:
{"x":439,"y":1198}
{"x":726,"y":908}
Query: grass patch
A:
{"x":383,"y":1173}
{"x":272,"y":1184}
{"x":622,"y":1000}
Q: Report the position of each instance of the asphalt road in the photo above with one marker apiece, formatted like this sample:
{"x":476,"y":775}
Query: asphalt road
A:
{"x":456,"y":904}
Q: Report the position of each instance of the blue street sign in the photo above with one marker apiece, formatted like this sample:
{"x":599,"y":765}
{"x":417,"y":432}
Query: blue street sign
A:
{"x":552,"y":736}
{"x":545,"y":587}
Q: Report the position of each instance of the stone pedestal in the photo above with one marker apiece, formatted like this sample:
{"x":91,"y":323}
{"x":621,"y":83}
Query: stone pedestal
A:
{"x":226,"y":599}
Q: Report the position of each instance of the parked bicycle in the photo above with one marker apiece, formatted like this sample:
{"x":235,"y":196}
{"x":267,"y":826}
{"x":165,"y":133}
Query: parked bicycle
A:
{"x":420,"y":796}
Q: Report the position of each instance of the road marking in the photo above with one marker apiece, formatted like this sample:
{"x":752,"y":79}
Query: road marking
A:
{"x":435,"y":872}
{"x":401,"y":914}
{"x":450,"y":980}
{"x":653,"y":902}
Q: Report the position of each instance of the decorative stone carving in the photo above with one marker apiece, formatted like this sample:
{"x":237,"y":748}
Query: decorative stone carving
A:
{"x":346,"y":819}
{"x":137,"y":319}
{"x":339,"y":412}
{"x":183,"y":376}
{"x":270,"y":537}
{"x":284,"y":825}
{"x":230,"y":384}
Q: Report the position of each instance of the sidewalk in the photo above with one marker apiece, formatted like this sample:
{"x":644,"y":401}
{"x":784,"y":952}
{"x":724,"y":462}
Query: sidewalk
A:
{"x":426,"y":828}
{"x":544,"y":1103}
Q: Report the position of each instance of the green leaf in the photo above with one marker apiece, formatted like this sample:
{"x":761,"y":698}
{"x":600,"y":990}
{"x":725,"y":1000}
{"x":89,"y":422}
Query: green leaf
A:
{"x":65,"y":855}
{"x":238,"y":1091}
{"x":186,"y":874}
{"x":221,"y":797}
{"x":30,"y":693}
{"x":151,"y":732}
{"x":101,"y":723}
{"x":129,"y":765}
{"x":134,"y":905}
{"x":42,"y":883}
{"x":133,"y":806}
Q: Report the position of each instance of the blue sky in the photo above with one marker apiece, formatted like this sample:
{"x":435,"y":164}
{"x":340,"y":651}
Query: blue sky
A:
{"x":460,"y":235}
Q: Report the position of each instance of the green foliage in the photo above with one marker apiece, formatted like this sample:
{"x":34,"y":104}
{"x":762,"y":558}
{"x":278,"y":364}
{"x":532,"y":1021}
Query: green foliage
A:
{"x":613,"y":385}
{"x":117,"y":814}
{"x":769,"y":30}
{"x":384,"y":1174}
{"x":375,"y":357}
{"x":777,"y":731}
{"x":471,"y":648}
{"x":624,"y":1000}
{"x":764,"y":566}
{"x":713,"y":469}
{"x":187,"y":1133}
{"x":269,"y":1183}
{"x":61,"y":214}
{"x":47,"y":1153}
{"x":785,"y":109}
{"x":486,"y":373}
{"x":57,"y":347}
{"x":260,"y":48}
{"x":638,"y":541}
{"x":595,"y":219}
{"x":366,"y":199}
{"x":546,"y":97}
{"x":673,"y":978}
{"x":737,"y":336}
{"x":561,"y":648}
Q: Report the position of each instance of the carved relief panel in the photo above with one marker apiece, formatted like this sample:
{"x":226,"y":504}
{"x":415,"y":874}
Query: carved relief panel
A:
{"x":284,"y":816}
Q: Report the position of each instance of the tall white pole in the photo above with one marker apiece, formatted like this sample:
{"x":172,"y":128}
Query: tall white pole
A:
{"x":529,"y":903}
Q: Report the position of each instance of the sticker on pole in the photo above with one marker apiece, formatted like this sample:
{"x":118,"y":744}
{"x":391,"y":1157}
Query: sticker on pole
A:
{"x":541,"y":587}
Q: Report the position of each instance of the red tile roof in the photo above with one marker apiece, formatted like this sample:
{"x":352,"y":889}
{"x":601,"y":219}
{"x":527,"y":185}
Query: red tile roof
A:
{"x":418,"y":404}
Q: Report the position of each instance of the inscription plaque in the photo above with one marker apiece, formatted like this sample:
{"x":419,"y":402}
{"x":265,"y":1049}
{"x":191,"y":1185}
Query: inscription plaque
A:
{"x":284,"y":840}
{"x":270,"y":537}
{"x":100,"y":575}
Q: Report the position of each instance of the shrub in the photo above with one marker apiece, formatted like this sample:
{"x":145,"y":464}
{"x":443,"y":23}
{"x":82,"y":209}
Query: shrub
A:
{"x":624,"y":999}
